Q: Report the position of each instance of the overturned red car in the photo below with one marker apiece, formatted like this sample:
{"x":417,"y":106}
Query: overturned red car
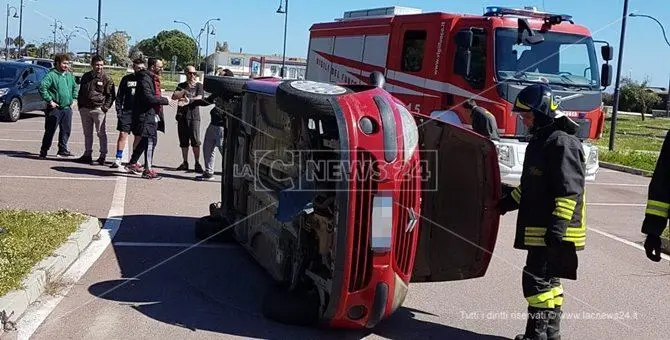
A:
{"x":345,"y":197}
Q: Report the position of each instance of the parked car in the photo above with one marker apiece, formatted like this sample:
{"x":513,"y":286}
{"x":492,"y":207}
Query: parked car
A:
{"x":19,"y":89}
{"x":345,"y":197}
{"x":48,"y":63}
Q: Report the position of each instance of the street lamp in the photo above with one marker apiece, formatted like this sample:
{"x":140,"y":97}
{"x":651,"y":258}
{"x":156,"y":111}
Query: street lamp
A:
{"x":667,"y":101}
{"x":207,"y":41}
{"x":617,"y":92}
{"x":197,"y":43}
{"x":56,"y":28}
{"x":285,"y":12}
{"x":7,"y":29}
{"x":97,"y":43}
{"x":90,"y":38}
{"x":20,"y":26}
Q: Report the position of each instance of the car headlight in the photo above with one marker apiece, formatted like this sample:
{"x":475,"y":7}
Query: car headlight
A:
{"x":410,"y":133}
{"x":3,"y":91}
{"x":505,"y":155}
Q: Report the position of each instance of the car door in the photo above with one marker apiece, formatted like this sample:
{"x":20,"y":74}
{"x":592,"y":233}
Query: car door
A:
{"x":40,"y":73}
{"x":29,"y":88}
{"x":461,"y":188}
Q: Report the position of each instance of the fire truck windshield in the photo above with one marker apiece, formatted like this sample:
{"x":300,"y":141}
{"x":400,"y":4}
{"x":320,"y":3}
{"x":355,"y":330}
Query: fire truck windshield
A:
{"x":561,"y":59}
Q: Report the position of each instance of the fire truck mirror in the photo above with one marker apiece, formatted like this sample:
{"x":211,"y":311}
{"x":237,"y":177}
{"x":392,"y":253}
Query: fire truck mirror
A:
{"x":533,"y":38}
{"x":606,"y":75}
{"x":607,"y":52}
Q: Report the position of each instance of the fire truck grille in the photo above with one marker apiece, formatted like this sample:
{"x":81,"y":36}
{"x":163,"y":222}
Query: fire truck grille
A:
{"x":404,"y":238}
{"x":361,"y":252}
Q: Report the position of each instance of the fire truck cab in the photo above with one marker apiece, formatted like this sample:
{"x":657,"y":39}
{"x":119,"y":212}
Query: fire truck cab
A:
{"x":434,"y":62}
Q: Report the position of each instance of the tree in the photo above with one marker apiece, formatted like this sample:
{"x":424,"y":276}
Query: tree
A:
{"x":135,"y":53}
{"x":637,"y":97}
{"x":116,"y":44}
{"x":222,"y":47}
{"x":32,"y":50}
{"x":167,"y":44}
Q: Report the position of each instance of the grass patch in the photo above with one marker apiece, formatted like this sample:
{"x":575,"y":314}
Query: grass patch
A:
{"x":666,"y":233}
{"x":637,"y":142}
{"x":28,"y":238}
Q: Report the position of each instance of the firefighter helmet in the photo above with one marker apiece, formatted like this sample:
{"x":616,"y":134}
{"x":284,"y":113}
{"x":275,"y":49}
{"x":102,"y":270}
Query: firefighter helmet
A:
{"x":537,"y":98}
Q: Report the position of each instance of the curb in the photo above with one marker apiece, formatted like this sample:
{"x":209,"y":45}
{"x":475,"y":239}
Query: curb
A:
{"x":665,"y":245}
{"x":626,"y":169}
{"x":34,"y":284}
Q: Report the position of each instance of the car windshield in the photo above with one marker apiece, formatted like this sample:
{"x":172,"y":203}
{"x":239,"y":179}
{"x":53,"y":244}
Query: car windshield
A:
{"x":9,"y":73}
{"x":562,"y":59}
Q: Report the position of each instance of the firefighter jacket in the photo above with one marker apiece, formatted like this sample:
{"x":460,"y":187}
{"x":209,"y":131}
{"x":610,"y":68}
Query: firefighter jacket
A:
{"x":551,"y":196}
{"x":658,"y":196}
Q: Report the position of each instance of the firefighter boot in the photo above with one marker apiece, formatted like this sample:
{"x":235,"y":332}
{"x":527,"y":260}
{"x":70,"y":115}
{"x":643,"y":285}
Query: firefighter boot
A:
{"x":536,"y":326}
{"x":554,"y":325}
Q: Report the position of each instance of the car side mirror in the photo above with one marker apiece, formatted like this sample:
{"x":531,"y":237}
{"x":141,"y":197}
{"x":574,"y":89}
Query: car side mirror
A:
{"x":606,"y":75}
{"x":607,"y":52}
{"x":464,"y":39}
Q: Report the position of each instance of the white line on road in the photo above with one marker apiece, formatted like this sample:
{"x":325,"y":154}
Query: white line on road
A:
{"x":174,"y":245}
{"x":616,"y":204}
{"x":632,"y":244}
{"x":65,"y":178}
{"x":33,"y":318}
{"x":620,"y":185}
{"x":40,"y":141}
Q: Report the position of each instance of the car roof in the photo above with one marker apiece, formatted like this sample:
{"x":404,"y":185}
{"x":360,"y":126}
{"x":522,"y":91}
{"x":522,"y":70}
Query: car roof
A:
{"x":262,"y":86}
{"x":22,"y":64}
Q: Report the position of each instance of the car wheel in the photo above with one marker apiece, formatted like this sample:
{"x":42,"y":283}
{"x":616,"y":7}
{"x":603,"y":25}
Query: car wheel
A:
{"x":296,"y":308}
{"x":13,"y":110}
{"x":308,"y":96}
{"x":225,"y":86}
{"x":210,"y":228}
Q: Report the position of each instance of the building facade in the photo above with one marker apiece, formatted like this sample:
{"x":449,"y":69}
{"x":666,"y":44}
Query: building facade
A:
{"x":245,"y":64}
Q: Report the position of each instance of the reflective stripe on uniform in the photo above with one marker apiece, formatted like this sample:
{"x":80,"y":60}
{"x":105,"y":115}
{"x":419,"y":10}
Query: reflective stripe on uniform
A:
{"x":657,"y":208}
{"x":542,"y":300}
{"x":565,"y":208}
{"x":557,"y":292}
{"x":516,"y":194}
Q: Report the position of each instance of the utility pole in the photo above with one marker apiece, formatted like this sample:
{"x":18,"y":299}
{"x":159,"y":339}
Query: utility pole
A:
{"x":97,"y":45}
{"x":617,"y":89}
{"x":20,"y":27}
{"x":285,"y":12}
{"x":55,"y":29}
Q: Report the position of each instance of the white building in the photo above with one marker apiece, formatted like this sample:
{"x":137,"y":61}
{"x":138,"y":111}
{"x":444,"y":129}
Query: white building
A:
{"x":245,"y":64}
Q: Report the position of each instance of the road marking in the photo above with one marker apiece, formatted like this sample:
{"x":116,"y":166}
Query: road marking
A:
{"x":60,"y":178}
{"x":16,"y":130}
{"x":35,"y":316}
{"x":620,"y":184}
{"x":632,"y":244}
{"x":616,"y":204}
{"x":40,"y":141}
{"x":174,"y":245}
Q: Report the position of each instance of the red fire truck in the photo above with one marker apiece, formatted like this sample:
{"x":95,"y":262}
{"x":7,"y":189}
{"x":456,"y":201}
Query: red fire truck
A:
{"x":434,"y":62}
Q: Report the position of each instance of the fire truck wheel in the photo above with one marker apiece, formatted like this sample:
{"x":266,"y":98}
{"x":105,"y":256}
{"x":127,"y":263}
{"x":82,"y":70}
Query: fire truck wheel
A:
{"x":308,"y":96}
{"x":228,"y":86}
{"x":211,"y":228}
{"x":297,"y":308}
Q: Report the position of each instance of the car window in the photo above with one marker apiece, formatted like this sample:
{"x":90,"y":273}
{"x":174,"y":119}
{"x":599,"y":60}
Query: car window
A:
{"x":40,"y":73}
{"x":44,"y":63}
{"x":9,"y":73}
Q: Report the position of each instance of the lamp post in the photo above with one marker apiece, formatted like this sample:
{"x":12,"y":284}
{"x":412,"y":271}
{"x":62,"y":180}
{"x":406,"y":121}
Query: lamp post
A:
{"x":20,"y":26}
{"x":667,"y":101}
{"x":285,"y":12}
{"x":207,"y":41}
{"x":617,"y":88}
{"x":197,"y":43}
{"x":55,"y":25}
{"x":90,"y":38}
{"x":97,"y":42}
{"x":7,"y":29}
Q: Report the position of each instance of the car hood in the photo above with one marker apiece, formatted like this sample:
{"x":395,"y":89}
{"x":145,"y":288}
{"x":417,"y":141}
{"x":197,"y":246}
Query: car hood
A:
{"x":6,"y":84}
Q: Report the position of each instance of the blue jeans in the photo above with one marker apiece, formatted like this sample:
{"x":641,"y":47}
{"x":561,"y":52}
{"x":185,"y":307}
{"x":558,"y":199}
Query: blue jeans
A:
{"x":57,"y":118}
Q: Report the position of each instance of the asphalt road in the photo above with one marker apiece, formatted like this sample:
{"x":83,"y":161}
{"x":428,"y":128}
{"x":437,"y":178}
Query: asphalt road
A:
{"x":171,"y":291}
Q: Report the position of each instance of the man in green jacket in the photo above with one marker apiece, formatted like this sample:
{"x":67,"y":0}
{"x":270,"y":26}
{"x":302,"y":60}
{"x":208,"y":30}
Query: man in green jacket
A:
{"x":58,"y":89}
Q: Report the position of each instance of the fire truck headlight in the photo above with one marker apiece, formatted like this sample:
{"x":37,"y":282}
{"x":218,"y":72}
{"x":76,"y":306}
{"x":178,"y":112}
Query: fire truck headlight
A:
{"x":505,"y":155}
{"x":410,"y":133}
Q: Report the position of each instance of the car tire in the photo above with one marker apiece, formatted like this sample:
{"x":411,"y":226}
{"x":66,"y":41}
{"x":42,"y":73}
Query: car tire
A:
{"x":12,"y":111}
{"x":226,"y":86}
{"x":210,"y":228}
{"x":308,"y":96}
{"x":296,"y":308}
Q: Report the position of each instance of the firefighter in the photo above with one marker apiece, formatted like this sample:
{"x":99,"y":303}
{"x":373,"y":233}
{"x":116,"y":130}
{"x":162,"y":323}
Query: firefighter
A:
{"x":551,"y":223}
{"x":483,"y":122}
{"x":658,"y":203}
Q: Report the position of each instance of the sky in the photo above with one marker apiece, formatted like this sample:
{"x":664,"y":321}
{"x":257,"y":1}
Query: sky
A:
{"x":255,"y":27}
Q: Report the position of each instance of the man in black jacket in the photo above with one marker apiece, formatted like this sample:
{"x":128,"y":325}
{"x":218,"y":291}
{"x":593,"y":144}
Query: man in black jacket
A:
{"x":96,"y":96}
{"x":658,"y":203}
{"x":483,"y":122}
{"x":147,"y":117}
{"x":551,"y":222}
{"x":125,"y":100}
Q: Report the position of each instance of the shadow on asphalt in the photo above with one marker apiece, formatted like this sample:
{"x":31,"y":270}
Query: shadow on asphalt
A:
{"x":27,"y":115}
{"x":219,"y":289}
{"x":106,"y":171}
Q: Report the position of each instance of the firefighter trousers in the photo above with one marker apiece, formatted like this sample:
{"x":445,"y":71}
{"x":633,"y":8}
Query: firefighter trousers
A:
{"x":540,"y":290}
